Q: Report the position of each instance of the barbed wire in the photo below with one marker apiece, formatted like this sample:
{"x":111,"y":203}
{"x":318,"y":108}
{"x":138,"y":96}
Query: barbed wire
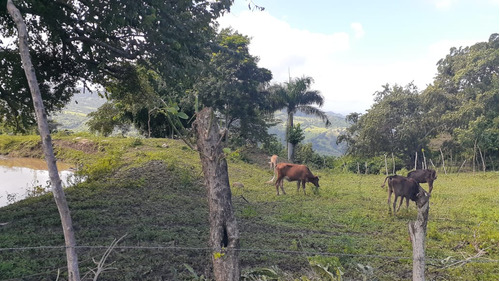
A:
{"x":292,"y":252}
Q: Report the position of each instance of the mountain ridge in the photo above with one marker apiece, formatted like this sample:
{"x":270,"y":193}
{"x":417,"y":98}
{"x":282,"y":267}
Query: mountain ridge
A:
{"x":74,"y":116}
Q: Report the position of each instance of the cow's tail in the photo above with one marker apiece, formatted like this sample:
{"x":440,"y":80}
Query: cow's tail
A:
{"x":383,"y":185}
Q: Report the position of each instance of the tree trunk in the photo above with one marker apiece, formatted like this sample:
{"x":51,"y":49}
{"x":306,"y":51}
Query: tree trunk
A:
{"x":474,"y":159}
{"x":57,"y":190}
{"x":416,"y":157}
{"x":418,"y":230}
{"x":386,"y":171}
{"x":224,"y":235}
{"x":393,"y":165}
{"x":482,"y":159}
{"x":424,"y":165}
{"x":290,"y":146}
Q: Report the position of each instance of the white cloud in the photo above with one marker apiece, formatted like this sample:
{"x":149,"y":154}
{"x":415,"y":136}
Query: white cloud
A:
{"x":281,"y":47}
{"x":358,"y":30}
{"x":347,"y":84}
{"x":443,"y":4}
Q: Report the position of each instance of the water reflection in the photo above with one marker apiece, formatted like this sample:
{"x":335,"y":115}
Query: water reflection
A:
{"x":22,"y":177}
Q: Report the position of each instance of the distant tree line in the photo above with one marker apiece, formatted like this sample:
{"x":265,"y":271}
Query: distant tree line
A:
{"x":454,"y":118}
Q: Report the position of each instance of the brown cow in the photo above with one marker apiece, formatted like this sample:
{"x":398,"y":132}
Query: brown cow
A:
{"x":426,"y":175}
{"x":403,"y":187}
{"x":294,"y":172}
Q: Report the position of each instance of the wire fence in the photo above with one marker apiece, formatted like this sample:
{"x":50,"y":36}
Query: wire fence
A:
{"x":290,"y":252}
{"x":430,"y":261}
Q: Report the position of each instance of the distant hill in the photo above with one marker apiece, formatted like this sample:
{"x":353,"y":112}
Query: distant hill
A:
{"x":74,"y":116}
{"x":323,"y":139}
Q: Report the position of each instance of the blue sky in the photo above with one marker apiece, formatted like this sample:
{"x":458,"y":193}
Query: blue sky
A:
{"x":351,"y":48}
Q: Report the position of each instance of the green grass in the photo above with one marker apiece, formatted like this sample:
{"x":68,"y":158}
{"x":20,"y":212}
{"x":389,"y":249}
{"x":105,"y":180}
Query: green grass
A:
{"x":155,"y":196}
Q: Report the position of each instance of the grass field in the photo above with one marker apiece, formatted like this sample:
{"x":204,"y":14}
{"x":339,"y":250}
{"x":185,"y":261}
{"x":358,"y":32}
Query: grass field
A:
{"x":154,"y":195}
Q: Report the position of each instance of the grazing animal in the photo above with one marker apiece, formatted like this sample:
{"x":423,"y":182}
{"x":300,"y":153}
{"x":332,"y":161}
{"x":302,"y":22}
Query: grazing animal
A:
{"x":272,"y":165}
{"x":426,"y":175}
{"x":294,"y":172}
{"x":273,"y":162}
{"x":403,"y":187}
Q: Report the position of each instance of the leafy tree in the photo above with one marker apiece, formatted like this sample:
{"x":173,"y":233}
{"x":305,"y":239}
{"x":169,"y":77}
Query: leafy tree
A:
{"x":463,"y":99}
{"x":296,"y":95}
{"x":106,"y":119}
{"x":392,"y":125}
{"x":143,"y":100}
{"x":458,"y":112}
{"x":233,"y":86}
{"x":79,"y":42}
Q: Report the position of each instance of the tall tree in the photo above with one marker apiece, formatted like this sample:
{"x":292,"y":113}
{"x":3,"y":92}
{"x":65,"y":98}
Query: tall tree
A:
{"x":463,"y":99}
{"x":43,"y":127}
{"x":296,"y":95}
{"x":392,"y":125}
{"x":233,"y":85}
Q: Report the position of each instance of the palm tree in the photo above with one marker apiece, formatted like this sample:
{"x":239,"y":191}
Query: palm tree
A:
{"x":296,"y":95}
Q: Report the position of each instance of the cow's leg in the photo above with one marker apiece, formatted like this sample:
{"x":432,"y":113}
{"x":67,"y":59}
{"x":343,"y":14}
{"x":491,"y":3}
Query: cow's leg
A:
{"x":277,"y":184}
{"x":407,"y":203}
{"x":400,"y":203}
{"x":298,"y":185}
{"x":304,"y":186}
{"x":431,"y":183}
{"x":389,"y":198}
{"x":282,"y":189}
{"x":394,"y":204}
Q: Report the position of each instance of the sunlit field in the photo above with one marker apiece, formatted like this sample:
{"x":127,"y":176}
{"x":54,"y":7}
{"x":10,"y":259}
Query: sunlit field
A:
{"x":155,"y":196}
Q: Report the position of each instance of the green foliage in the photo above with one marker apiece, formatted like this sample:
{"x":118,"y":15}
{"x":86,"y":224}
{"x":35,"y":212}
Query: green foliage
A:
{"x":296,"y":96}
{"x":105,"y":119}
{"x":103,"y":165}
{"x":194,"y":275}
{"x":295,"y":134}
{"x":233,"y":85}
{"x":64,"y":53}
{"x":232,"y":155}
{"x":328,"y":268}
{"x":273,"y":146}
{"x":462,"y":102}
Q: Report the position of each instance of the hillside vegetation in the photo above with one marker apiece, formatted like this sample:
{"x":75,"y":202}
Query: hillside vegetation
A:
{"x":150,"y":191}
{"x":323,"y":139}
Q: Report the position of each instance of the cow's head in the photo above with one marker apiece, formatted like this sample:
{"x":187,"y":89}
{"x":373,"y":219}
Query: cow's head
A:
{"x":433,"y":174}
{"x":314,"y":180}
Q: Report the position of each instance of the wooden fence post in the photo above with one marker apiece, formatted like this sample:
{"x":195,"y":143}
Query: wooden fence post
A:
{"x":442,"y":159}
{"x":418,"y":230}
{"x":224,"y":234}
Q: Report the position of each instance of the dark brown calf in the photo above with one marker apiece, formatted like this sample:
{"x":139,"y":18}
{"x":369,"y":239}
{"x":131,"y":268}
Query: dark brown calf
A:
{"x":426,"y":175}
{"x":294,"y":172}
{"x":403,"y":187}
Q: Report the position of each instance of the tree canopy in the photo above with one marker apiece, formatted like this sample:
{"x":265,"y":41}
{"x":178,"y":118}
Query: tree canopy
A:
{"x":297,"y":95}
{"x":77,"y":42}
{"x":456,"y":113}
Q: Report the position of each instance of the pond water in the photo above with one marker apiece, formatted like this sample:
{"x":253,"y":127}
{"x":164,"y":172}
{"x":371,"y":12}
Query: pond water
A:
{"x":22,"y":177}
